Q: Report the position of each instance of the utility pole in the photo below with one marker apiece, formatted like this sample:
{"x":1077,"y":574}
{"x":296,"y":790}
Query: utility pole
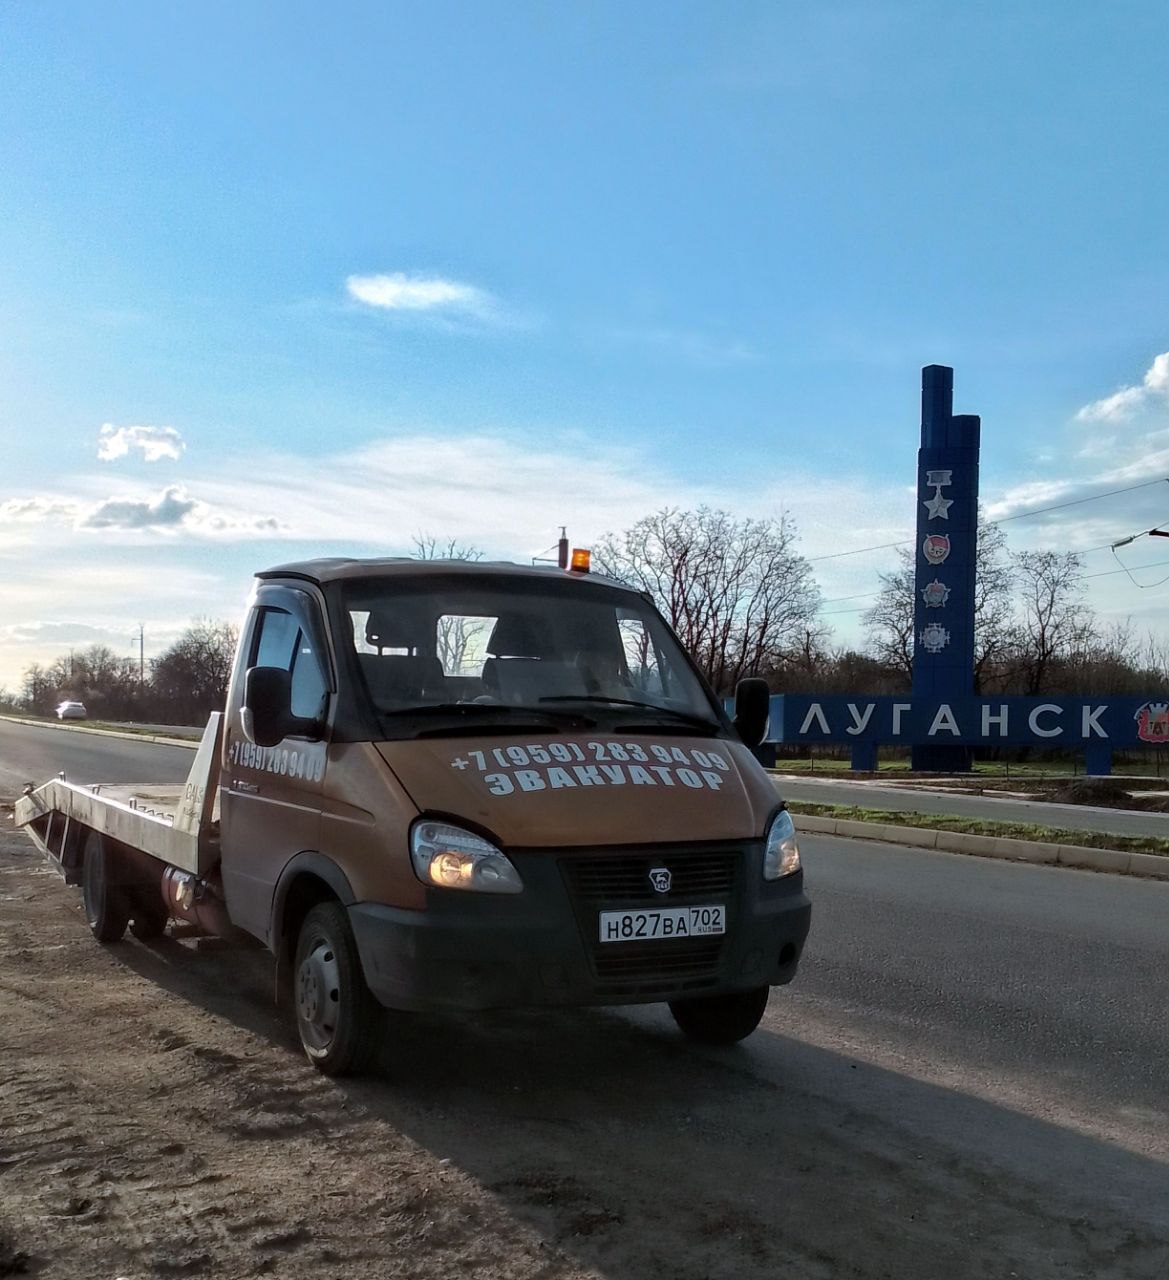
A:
{"x":141,"y":653}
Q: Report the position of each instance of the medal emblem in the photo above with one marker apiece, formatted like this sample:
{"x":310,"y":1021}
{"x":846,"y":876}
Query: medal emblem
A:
{"x":937,"y":506}
{"x":935,"y":594}
{"x":934,"y":638}
{"x":936,"y":548}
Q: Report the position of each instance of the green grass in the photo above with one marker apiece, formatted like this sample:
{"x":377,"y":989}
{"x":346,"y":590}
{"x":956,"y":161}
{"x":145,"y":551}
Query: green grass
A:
{"x":980,"y":827}
{"x":106,"y":726}
{"x":982,"y":768}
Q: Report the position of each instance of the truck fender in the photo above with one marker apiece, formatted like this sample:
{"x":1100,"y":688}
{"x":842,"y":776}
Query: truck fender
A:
{"x":310,"y":862}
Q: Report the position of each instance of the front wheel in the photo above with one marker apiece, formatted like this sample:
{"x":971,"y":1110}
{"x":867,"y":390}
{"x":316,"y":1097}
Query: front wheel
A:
{"x":725,"y":1019}
{"x":107,"y":909}
{"x":338,"y":1019}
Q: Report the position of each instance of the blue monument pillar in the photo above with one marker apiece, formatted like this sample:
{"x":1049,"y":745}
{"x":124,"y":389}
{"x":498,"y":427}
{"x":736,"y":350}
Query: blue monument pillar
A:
{"x":945,"y":553}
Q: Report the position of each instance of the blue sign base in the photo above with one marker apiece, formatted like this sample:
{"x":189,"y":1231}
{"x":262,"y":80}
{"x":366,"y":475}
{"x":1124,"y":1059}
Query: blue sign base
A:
{"x":934,"y":758}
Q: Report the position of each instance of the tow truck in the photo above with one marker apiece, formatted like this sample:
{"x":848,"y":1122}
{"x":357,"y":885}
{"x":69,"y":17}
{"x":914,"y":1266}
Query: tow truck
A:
{"x":442,"y":785}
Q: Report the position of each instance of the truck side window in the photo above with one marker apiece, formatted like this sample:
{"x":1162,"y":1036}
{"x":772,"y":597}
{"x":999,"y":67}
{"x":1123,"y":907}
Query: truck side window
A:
{"x":641,"y":655}
{"x":281,"y":642}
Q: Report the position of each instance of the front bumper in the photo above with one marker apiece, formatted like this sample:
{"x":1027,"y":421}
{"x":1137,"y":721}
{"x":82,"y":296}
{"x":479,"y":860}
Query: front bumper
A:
{"x":540,"y":948}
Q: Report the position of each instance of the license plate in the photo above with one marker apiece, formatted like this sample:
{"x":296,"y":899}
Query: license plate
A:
{"x":662,"y":922}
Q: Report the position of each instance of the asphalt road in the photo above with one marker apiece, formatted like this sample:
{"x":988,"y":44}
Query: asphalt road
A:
{"x":1002,"y":1024}
{"x":992,"y":808}
{"x":36,"y":754}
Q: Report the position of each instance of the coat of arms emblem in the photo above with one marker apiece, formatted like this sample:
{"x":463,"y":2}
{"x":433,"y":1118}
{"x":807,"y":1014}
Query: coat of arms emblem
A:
{"x":935,"y":594}
{"x":1153,"y":722}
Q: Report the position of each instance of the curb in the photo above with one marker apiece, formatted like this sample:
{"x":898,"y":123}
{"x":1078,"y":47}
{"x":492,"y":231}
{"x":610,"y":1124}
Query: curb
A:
{"x":106,"y":733}
{"x":1114,"y":861}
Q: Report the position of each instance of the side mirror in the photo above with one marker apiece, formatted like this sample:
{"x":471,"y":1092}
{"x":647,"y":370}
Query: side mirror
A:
{"x":752,"y":707}
{"x":267,"y":710}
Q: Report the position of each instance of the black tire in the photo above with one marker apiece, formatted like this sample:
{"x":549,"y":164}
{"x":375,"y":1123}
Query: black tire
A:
{"x":149,"y":915}
{"x":723,"y":1019}
{"x":107,"y":907}
{"x":339,"y":1021}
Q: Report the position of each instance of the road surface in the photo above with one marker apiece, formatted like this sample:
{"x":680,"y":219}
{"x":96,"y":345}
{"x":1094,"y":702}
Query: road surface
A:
{"x":991,"y":808}
{"x":966,"y":1080}
{"x":31,"y":753}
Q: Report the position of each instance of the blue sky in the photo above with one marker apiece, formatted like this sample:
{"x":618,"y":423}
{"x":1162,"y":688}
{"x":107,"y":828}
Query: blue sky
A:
{"x":480,"y":269}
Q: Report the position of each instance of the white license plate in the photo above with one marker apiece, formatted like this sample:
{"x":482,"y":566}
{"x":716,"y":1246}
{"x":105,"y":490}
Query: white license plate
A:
{"x":662,"y":922}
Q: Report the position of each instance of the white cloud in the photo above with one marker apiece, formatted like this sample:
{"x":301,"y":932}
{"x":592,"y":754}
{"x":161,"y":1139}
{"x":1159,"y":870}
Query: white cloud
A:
{"x":1127,"y":401}
{"x":155,"y":443}
{"x":170,"y":511}
{"x":400,"y":292}
{"x":37,"y":509}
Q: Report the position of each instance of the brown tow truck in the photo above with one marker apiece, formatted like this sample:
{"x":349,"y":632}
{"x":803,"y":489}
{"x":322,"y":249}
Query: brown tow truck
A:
{"x":444,"y":785}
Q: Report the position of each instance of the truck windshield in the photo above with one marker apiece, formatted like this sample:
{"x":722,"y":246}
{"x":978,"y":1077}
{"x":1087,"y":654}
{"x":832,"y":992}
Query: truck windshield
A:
{"x":561,"y":654}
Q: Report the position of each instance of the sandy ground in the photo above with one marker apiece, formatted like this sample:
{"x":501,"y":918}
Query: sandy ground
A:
{"x":157,"y":1119}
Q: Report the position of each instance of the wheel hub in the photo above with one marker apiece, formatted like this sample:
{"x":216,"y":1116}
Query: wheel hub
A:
{"x":318,"y":994}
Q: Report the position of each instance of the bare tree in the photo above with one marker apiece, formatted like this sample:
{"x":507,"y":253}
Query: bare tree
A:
{"x":737,"y":592}
{"x":1056,"y":623}
{"x":37,"y":691}
{"x":454,"y":636}
{"x":106,"y":683}
{"x":994,"y":623}
{"x":190,"y":679}
{"x":889,"y":620}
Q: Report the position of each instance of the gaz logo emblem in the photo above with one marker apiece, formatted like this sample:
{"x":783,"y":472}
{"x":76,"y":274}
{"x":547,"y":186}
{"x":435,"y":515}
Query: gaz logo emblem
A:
{"x":660,"y":878}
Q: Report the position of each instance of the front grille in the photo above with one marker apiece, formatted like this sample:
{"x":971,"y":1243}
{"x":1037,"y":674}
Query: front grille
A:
{"x":624,"y":878}
{"x":648,"y":968}
{"x":654,"y":969}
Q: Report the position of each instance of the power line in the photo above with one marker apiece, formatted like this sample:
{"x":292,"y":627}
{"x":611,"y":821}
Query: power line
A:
{"x":1075,"y":502}
{"x":1081,"y":577}
{"x":1021,"y":515}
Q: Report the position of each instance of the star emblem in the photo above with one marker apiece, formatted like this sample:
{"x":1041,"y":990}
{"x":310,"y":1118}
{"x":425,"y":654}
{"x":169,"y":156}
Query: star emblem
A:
{"x":939,"y":507}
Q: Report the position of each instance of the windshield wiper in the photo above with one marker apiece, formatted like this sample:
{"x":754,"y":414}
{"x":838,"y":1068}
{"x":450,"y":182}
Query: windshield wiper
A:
{"x":689,"y":717}
{"x":461,"y":710}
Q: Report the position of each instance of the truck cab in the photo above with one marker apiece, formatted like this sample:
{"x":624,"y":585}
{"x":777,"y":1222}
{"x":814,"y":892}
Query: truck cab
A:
{"x":452,"y":785}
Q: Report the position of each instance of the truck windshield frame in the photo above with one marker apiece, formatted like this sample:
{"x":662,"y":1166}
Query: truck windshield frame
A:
{"x":452,"y":654}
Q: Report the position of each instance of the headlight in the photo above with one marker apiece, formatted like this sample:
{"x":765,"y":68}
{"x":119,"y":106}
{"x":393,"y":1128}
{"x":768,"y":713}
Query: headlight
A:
{"x":452,"y":858}
{"x":782,"y":855}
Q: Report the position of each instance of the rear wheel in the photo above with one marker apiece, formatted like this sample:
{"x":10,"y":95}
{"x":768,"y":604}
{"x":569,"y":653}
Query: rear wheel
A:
{"x":724,"y":1019}
{"x":107,"y":907}
{"x":149,"y":913}
{"x":338,"y":1019}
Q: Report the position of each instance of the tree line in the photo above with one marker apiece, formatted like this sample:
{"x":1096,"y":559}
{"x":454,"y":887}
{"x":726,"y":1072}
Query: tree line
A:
{"x":744,"y":602}
{"x":183,"y":685}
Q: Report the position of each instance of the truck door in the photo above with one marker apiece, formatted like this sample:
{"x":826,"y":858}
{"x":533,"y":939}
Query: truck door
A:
{"x":270,"y":800}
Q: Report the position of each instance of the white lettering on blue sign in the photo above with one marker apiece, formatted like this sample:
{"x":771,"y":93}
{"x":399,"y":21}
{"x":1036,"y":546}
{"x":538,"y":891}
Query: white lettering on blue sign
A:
{"x":859,"y":722}
{"x":1033,"y":721}
{"x":1000,"y":721}
{"x":944,"y":719}
{"x":815,"y":712}
{"x":1089,"y":725}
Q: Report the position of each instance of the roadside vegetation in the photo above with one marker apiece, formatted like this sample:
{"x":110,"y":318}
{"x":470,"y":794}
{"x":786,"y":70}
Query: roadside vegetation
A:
{"x":980,"y":827}
{"x":183,"y":685}
{"x":744,"y":601}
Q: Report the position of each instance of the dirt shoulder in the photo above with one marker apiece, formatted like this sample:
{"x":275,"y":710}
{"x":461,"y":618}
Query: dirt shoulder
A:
{"x":158,"y":1120}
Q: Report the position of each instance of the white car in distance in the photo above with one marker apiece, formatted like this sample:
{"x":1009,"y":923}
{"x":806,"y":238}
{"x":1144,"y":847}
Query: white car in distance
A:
{"x":72,"y":711}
